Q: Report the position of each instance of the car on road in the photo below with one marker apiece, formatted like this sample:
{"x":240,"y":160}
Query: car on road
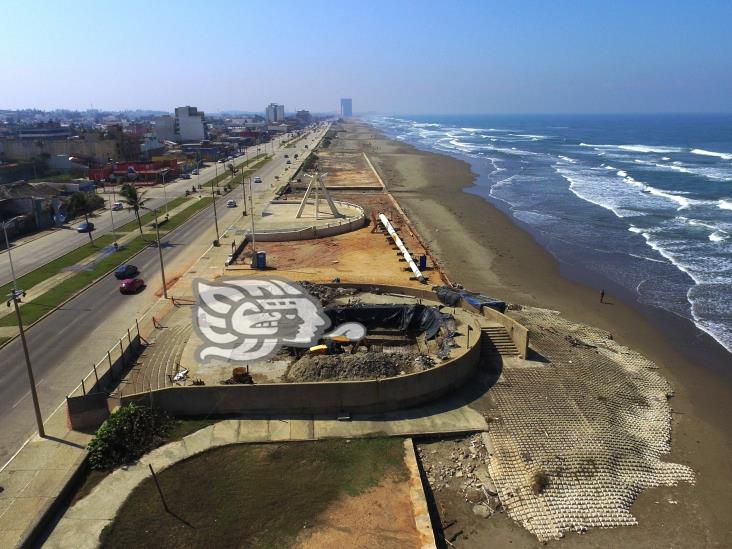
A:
{"x":257,"y":179}
{"x":195,"y":172}
{"x":289,"y":162}
{"x":286,"y":156}
{"x":123,"y":272}
{"x":221,"y":160}
{"x":85,"y":227}
{"x":231,"y":203}
{"x":117,"y":206}
{"x":186,"y":176}
{"x":131,"y":285}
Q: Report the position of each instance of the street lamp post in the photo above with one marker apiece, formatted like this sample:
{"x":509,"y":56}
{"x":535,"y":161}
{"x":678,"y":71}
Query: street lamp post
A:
{"x":15,"y":296}
{"x":165,"y":196}
{"x":251,"y":214}
{"x":160,"y":254}
{"x":244,"y":191}
{"x":213,"y":195}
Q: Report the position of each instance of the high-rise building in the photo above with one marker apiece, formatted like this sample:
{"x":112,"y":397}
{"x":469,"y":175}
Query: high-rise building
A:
{"x":275,"y":113}
{"x":189,"y":123}
{"x":346,"y":107}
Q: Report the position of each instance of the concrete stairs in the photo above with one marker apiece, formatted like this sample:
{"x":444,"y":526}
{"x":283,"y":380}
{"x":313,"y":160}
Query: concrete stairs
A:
{"x":495,"y":341}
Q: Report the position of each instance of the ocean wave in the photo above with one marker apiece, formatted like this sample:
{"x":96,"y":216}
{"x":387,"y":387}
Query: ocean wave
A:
{"x":724,"y":204}
{"x":702,"y":152}
{"x":567,"y":159}
{"x":718,"y":236}
{"x":635,"y":148}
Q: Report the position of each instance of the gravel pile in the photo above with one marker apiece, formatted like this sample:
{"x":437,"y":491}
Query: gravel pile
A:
{"x":360,"y":366}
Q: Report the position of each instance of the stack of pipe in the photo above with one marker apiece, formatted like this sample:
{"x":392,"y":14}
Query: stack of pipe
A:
{"x":402,"y":248}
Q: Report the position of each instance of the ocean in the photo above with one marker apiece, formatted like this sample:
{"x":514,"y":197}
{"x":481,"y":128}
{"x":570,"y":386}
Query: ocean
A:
{"x":641,"y":201}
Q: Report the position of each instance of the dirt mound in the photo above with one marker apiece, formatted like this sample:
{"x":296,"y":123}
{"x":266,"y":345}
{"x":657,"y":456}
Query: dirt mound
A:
{"x":370,"y":365}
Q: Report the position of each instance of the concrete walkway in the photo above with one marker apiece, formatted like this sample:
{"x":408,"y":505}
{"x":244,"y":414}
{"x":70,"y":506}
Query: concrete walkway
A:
{"x":81,"y":525}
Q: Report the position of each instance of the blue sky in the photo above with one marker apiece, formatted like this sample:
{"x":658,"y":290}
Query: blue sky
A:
{"x":390,"y":56}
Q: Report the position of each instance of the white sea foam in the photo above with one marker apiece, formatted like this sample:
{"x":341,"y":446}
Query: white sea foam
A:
{"x":702,"y":152}
{"x":567,"y":159}
{"x":718,"y":236}
{"x":635,"y":148}
{"x":724,"y":204}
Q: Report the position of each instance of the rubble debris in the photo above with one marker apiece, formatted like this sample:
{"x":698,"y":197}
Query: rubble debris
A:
{"x":365,"y":365}
{"x":326,"y":294}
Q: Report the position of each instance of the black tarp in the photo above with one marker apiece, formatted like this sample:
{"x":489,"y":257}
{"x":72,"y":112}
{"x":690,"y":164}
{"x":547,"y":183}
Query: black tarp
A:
{"x":415,"y":318}
{"x":452,"y":296}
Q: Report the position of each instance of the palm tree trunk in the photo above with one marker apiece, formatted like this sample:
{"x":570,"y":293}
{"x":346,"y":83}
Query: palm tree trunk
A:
{"x":91,"y":238}
{"x":139,"y":222}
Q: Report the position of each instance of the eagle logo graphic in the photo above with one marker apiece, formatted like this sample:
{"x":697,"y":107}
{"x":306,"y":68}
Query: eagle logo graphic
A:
{"x":244,"y":320}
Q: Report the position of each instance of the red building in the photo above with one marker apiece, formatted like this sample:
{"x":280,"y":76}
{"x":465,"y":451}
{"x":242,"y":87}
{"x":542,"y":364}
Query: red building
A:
{"x":143,"y":173}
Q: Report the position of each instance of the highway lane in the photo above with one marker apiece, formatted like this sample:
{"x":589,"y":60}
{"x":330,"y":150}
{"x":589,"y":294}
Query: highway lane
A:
{"x":64,"y":345}
{"x":33,"y":254}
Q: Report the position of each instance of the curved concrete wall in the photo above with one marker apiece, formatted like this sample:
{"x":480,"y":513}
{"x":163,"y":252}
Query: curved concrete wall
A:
{"x":368,"y":396}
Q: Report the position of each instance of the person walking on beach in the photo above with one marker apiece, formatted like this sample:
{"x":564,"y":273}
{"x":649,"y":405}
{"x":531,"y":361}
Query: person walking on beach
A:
{"x":602,"y":296}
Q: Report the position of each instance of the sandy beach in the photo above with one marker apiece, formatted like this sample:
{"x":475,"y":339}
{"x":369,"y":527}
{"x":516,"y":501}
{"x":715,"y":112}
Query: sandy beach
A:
{"x":480,"y":247}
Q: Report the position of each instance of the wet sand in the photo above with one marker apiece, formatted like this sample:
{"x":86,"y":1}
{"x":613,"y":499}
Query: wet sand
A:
{"x":480,"y":247}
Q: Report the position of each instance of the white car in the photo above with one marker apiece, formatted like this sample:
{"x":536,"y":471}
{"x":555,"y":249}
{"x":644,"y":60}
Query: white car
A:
{"x":117,"y":206}
{"x":231,"y":203}
{"x":257,"y":179}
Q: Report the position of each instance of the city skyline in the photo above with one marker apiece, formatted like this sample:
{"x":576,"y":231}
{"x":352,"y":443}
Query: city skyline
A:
{"x":486,"y":57}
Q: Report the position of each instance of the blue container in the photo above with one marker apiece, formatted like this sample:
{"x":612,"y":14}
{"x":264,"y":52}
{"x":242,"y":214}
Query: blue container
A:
{"x":261,"y":260}
{"x":422,"y":262}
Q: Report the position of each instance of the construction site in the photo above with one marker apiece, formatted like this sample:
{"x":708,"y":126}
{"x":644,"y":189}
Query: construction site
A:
{"x":466,"y":378}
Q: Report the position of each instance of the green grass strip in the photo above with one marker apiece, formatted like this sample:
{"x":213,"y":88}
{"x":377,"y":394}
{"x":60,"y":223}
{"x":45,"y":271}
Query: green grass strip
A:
{"x":37,"y":307}
{"x":181,"y":217}
{"x":149,"y":217}
{"x":27,"y":281}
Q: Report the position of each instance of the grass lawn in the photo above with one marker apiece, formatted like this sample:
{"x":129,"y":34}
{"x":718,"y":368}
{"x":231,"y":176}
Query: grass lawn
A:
{"x":4,"y":340}
{"x":251,"y":495}
{"x":36,"y":308}
{"x":243,"y":171}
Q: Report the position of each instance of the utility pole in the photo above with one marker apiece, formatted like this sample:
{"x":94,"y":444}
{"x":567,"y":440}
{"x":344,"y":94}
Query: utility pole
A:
{"x":165,"y":197}
{"x":15,"y":296}
{"x":244,"y":191}
{"x":160,"y":254}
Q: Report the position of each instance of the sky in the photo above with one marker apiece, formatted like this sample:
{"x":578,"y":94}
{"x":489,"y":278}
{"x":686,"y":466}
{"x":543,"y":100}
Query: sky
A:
{"x":396,"y":57}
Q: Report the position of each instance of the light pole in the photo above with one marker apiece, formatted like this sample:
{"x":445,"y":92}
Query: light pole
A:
{"x":213,"y":195}
{"x":251,"y":214}
{"x":165,"y":197}
{"x":160,"y":254}
{"x":15,"y":296}
{"x":244,"y":191}
{"x":111,"y":216}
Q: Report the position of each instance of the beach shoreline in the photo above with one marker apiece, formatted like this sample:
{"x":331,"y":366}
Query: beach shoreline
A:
{"x":483,"y":248}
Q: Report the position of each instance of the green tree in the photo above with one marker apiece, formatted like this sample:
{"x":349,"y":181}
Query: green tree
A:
{"x":135,"y":200}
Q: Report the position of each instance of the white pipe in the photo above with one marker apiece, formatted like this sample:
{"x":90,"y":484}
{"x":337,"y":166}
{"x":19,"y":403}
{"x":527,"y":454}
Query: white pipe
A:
{"x":402,"y":248}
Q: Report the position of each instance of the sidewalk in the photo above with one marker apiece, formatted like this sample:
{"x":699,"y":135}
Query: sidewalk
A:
{"x":81,"y":525}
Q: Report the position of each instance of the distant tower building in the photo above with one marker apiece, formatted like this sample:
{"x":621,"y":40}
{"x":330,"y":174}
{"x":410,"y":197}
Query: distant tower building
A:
{"x":275,"y":113}
{"x":189,"y":124}
{"x":346,"y":107}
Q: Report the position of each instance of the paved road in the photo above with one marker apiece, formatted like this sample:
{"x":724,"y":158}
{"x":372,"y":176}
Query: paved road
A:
{"x":65,"y":344}
{"x":35,"y":253}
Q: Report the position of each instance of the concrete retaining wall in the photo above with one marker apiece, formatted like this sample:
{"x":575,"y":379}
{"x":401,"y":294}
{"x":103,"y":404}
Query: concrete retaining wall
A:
{"x":338,"y":397}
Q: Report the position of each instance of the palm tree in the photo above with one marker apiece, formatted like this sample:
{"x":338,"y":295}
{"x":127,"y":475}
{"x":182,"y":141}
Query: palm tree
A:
{"x":135,"y":200}
{"x":79,"y":203}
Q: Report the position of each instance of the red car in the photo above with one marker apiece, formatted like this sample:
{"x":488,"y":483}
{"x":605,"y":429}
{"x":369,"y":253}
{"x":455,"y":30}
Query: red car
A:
{"x":131,"y":285}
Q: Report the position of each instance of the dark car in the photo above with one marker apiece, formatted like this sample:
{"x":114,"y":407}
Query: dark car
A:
{"x":85,"y":227}
{"x":124,"y":272}
{"x":131,"y":286}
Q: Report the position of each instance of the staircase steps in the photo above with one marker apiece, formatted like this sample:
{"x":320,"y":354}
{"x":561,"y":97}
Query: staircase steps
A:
{"x":495,"y":341}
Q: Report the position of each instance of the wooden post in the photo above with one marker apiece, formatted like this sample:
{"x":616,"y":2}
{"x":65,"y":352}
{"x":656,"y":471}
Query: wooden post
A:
{"x":95,"y":375}
{"x":129,"y":338}
{"x":138,"y":327}
{"x":83,"y":388}
{"x":122,"y":353}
